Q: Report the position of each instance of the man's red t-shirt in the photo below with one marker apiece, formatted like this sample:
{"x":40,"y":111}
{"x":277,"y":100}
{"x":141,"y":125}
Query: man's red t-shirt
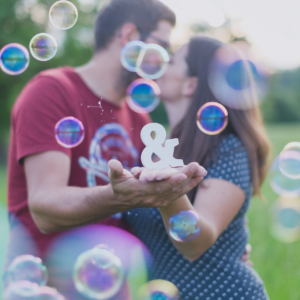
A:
{"x":110,"y":132}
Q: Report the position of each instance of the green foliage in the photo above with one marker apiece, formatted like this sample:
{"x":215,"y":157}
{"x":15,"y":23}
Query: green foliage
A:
{"x":282,"y":103}
{"x":17,"y":26}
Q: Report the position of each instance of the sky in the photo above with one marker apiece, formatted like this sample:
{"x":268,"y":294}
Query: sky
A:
{"x":272,"y":26}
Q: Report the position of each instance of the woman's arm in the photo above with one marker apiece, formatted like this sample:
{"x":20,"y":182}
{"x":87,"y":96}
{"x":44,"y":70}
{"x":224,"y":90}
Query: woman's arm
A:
{"x":217,"y":202}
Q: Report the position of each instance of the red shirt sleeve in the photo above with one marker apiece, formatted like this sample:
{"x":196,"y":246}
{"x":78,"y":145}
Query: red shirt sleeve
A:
{"x":38,"y":108}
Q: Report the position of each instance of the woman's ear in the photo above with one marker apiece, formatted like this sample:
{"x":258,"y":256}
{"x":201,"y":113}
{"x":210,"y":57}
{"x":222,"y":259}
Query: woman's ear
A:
{"x":189,"y":86}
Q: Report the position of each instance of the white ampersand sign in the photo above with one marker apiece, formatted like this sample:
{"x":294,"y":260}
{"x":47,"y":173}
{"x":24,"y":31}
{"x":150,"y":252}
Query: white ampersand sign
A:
{"x":156,"y":146}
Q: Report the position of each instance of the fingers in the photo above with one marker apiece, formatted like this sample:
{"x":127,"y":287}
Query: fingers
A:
{"x":248,"y":249}
{"x":194,"y":170}
{"x":116,"y":169}
{"x":191,"y":184}
{"x":136,"y":171}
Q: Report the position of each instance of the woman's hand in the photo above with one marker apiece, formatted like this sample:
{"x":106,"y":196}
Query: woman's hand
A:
{"x":148,"y":175}
{"x":128,"y":191}
{"x":246,"y":256}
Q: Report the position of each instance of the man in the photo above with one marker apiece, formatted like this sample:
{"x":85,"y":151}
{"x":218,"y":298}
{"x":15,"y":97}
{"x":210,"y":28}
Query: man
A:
{"x":53,"y":189}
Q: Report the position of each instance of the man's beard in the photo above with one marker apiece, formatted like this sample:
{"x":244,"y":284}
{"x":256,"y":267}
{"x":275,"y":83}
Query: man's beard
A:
{"x":125,"y":79}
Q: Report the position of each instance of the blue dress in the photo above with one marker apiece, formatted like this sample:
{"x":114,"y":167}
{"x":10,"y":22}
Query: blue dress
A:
{"x":219,"y":274}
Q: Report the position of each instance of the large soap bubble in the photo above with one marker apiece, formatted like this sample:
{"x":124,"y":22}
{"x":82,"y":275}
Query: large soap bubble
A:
{"x":236,"y":77}
{"x":43,"y":46}
{"x":184,"y":227}
{"x":286,"y":219}
{"x":63,"y":14}
{"x":98,"y":274}
{"x":130,"y":54}
{"x":289,"y":160}
{"x":21,"y":290}
{"x":69,"y":132}
{"x":26,"y":290}
{"x":281,"y":184}
{"x":26,"y":267}
{"x":152,"y":62}
{"x":212,"y":118}
{"x":143,"y":95}
{"x":14,"y":59}
{"x":158,"y":290}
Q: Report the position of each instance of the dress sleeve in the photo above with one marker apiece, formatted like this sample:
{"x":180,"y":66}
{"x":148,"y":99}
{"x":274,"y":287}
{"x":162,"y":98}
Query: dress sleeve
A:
{"x":231,"y":163}
{"x":38,"y":108}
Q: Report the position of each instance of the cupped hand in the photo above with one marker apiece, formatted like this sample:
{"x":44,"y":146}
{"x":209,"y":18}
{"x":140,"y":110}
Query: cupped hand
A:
{"x":132,"y":191}
{"x":148,"y":175}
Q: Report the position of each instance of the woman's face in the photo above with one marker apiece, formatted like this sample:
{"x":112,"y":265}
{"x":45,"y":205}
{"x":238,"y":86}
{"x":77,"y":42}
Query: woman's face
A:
{"x":172,"y":82}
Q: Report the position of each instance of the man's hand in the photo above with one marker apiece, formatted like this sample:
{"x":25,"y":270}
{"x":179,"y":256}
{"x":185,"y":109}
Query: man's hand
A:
{"x":132,"y":192}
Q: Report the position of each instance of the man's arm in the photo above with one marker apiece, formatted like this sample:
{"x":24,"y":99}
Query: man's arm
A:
{"x":55,"y":206}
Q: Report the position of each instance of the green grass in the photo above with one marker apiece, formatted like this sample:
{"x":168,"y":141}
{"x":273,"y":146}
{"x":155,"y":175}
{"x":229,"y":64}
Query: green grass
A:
{"x":277,"y":263}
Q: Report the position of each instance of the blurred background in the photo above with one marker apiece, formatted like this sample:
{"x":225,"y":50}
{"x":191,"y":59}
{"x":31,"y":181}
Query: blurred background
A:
{"x":269,"y":27}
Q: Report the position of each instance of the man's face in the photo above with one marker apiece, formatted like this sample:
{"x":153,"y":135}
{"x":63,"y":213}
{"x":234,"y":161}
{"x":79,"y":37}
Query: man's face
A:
{"x":160,"y":36}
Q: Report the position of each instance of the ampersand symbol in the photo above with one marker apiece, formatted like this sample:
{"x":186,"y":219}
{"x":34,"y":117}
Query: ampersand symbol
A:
{"x":155,"y":146}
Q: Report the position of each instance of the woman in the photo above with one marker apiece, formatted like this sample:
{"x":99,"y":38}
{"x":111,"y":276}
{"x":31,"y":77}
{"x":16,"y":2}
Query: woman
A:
{"x":208,"y":267}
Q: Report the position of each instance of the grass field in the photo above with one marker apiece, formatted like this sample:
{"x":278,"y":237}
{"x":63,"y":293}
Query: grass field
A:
{"x":277,"y":263}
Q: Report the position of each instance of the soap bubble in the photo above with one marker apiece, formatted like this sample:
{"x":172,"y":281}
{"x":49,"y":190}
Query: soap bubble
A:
{"x":21,"y":290}
{"x":184,"y":227}
{"x":152,"y":62}
{"x":286,"y":219}
{"x":43,"y":46}
{"x":237,"y":78}
{"x":14,"y":59}
{"x":69,"y":132}
{"x":26,"y":290}
{"x":281,"y":184}
{"x":48,"y":293}
{"x":143,"y":95}
{"x":98,"y":274}
{"x":130,"y":54}
{"x":158,"y":290}
{"x":289,"y":160}
{"x":63,"y":15}
{"x":212,"y":118}
{"x":26,"y":267}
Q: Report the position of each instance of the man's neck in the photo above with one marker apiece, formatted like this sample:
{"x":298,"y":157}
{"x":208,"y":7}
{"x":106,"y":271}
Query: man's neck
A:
{"x":101,"y":75}
{"x":176,"y":111}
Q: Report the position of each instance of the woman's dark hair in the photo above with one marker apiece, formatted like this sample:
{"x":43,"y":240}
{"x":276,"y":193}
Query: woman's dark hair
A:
{"x":246,"y":124}
{"x":144,"y":14}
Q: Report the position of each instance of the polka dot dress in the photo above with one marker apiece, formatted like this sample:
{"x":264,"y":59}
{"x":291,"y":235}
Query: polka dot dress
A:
{"x":219,"y":274}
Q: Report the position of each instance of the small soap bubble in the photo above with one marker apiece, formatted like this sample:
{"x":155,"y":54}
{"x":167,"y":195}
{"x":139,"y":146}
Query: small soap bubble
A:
{"x":130,"y":54}
{"x":152,"y":62}
{"x":158,"y":290}
{"x":43,"y":46}
{"x":184,"y":227}
{"x":212,"y":118}
{"x":28,"y":268}
{"x":14,"y":59}
{"x":237,"y":78}
{"x":286,"y":219}
{"x":21,"y":290}
{"x":289,"y":160}
{"x":143,"y":95}
{"x":281,"y":184}
{"x":69,"y":132}
{"x":63,"y":14}
{"x":98,"y":273}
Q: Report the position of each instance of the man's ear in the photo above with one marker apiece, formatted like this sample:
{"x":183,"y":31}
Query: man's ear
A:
{"x":189,"y":86}
{"x":128,"y":33}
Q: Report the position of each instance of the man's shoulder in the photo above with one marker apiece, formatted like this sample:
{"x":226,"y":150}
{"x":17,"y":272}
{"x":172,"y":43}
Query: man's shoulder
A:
{"x":58,"y":75}
{"x":46,"y":87}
